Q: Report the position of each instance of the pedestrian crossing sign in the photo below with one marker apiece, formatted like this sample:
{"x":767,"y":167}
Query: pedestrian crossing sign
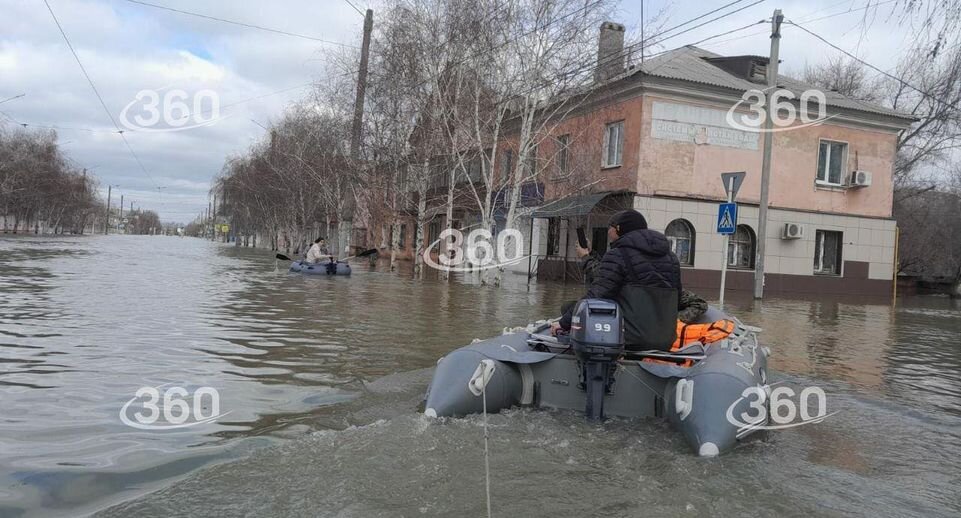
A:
{"x":727,"y":218}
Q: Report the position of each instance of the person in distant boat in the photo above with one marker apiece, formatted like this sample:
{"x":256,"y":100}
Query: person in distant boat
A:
{"x":643,"y":276}
{"x":318,"y":251}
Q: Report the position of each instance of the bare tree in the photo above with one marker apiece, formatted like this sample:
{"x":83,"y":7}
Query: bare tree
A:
{"x":40,"y":187}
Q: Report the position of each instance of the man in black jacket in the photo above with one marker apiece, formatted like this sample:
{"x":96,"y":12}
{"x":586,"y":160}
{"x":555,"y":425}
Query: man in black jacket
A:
{"x":643,"y":276}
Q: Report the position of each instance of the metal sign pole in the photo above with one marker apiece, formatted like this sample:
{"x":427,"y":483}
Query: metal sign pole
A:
{"x":727,"y":237}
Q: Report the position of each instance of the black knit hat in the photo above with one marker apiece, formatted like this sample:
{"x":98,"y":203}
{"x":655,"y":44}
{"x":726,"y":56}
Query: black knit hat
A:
{"x":628,"y":220}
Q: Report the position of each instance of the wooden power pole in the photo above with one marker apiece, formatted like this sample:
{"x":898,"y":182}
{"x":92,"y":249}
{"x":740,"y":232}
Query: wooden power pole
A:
{"x":361,"y":87}
{"x":345,"y":221}
{"x":768,"y":145}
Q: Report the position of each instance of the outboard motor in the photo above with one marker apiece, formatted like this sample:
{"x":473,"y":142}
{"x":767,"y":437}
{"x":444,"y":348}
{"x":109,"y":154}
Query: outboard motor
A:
{"x":597,"y":336}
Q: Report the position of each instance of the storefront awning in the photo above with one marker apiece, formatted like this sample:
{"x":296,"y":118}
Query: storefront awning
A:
{"x":581,"y":205}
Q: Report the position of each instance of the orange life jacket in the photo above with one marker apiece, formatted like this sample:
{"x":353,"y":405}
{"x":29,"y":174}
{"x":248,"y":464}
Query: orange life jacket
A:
{"x":705,"y":333}
{"x":689,"y":333}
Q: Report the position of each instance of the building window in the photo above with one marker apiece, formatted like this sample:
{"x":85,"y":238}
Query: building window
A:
{"x":553,"y":236}
{"x":680,"y":233}
{"x":507,"y":163}
{"x":831,"y":159}
{"x":402,"y":237}
{"x":433,"y":232}
{"x":474,"y":169}
{"x":563,"y":156}
{"x":613,"y":144}
{"x":741,"y":247}
{"x":530,"y":163}
{"x":827,"y":252}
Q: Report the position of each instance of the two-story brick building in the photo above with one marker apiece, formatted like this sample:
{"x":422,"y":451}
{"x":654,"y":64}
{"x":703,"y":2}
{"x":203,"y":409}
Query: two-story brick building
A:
{"x":656,"y":137}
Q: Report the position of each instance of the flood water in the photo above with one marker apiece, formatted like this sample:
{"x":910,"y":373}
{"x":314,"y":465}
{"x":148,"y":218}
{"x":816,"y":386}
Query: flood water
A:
{"x":319,"y":382}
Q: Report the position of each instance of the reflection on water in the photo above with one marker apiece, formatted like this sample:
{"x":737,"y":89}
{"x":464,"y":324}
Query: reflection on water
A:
{"x":86,"y":322}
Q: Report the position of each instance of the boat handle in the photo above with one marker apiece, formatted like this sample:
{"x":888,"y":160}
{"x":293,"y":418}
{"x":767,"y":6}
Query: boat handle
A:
{"x":482,"y":375}
{"x":684,"y":397}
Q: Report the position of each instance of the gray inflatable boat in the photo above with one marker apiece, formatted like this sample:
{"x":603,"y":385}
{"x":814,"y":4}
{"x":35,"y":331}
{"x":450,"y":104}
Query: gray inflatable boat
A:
{"x":330,"y":268}
{"x":713,"y":402}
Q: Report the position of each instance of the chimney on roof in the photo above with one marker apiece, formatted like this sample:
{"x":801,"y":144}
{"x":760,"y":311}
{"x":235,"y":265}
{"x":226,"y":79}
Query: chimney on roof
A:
{"x":610,"y":51}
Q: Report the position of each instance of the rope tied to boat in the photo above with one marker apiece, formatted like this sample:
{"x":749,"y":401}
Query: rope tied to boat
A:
{"x":487,"y":465}
{"x":478,"y":386}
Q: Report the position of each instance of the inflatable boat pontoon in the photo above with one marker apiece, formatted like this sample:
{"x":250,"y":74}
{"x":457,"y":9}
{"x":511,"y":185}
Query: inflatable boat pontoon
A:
{"x":331,"y":268}
{"x":713,"y":402}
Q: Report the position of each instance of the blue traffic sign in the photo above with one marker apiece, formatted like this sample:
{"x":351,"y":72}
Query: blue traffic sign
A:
{"x":727,"y":218}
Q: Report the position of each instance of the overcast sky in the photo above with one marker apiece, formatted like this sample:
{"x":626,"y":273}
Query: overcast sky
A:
{"x":127,"y":48}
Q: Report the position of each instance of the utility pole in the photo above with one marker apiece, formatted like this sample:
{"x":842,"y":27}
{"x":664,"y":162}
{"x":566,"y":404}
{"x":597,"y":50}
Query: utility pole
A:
{"x":768,"y":145}
{"x":209,"y":224}
{"x":106,"y":224}
{"x":213,"y":231}
{"x":361,"y":87}
{"x":120,"y":222}
{"x":345,"y":221}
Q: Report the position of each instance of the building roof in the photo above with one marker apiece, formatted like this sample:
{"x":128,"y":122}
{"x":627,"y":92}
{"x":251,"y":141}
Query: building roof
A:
{"x":691,"y":64}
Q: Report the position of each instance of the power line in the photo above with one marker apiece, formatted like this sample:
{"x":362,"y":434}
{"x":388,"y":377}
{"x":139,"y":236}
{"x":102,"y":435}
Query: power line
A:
{"x":95,"y":91}
{"x":882,"y":72}
{"x":592,"y":61}
{"x":869,"y":6}
{"x":82,"y":68}
{"x":204,"y":111}
{"x":725,"y":15}
{"x":697,"y":18}
{"x":64,"y":128}
{"x":241,"y":24}
{"x":842,"y":13}
{"x":585,"y":67}
{"x":12,"y":98}
{"x":355,"y":8}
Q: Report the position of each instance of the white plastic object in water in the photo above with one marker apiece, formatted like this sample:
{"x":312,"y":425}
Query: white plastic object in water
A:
{"x":708,"y":449}
{"x":481,"y":377}
{"x":684,"y":398}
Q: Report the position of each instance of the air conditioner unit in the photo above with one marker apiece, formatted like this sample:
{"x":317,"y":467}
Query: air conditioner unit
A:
{"x":792,"y":231}
{"x":860,"y":179}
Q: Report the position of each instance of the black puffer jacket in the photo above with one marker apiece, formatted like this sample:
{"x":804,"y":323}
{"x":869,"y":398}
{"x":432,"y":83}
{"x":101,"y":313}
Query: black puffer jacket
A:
{"x":643,"y":276}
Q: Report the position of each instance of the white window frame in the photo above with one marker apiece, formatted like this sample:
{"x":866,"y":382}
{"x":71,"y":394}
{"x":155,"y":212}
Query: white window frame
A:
{"x":827,"y":164}
{"x":618,"y":128}
{"x":736,"y":245}
{"x":673,"y":240}
{"x":819,"y":252}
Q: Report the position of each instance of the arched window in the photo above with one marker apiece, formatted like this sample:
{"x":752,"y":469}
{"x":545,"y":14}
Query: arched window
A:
{"x":680,"y":233}
{"x":741,"y":248}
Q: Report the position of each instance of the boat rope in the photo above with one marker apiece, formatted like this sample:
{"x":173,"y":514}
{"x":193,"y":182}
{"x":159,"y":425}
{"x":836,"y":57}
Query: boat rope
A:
{"x":635,"y":376}
{"x":487,"y":465}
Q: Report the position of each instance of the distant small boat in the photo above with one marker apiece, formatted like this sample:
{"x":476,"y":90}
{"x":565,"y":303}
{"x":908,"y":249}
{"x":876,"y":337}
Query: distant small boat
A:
{"x":698,"y":388}
{"x":326,"y":268}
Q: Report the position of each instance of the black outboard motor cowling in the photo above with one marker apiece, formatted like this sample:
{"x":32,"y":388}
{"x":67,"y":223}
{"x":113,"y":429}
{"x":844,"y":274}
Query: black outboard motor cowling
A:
{"x":597,"y":336}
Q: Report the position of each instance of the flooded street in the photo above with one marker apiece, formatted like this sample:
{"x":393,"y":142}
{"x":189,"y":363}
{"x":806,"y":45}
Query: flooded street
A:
{"x":319,"y":382}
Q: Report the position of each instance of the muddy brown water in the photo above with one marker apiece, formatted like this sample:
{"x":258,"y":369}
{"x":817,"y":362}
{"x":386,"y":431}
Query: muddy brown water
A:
{"x":319,"y":381}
